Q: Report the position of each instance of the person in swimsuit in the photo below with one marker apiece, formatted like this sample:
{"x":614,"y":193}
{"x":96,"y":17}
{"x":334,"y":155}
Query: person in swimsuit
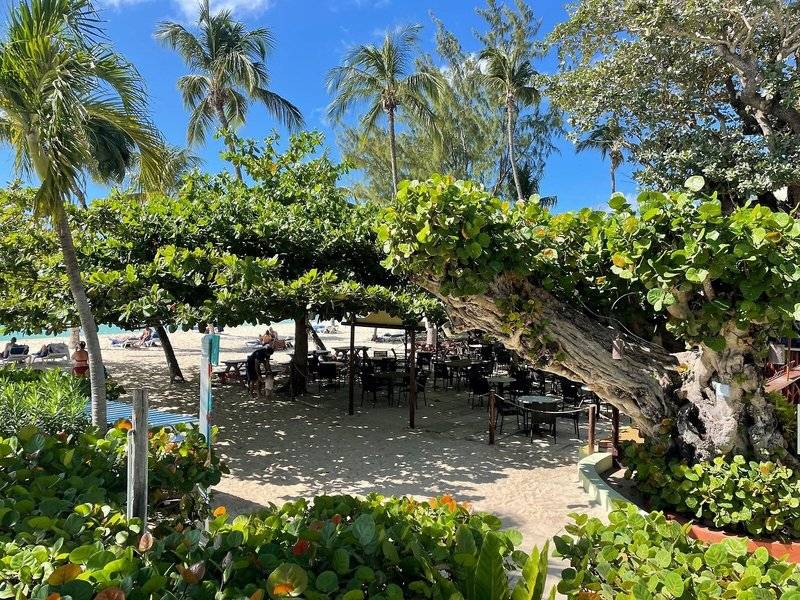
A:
{"x":80,"y":360}
{"x":258,"y":370}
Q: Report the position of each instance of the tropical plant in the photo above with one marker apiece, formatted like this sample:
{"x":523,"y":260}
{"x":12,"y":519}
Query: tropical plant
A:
{"x":379,"y":76}
{"x":229,"y":71}
{"x":513,"y":77}
{"x":609,"y":140}
{"x":71,"y":106}
{"x":469,"y":141}
{"x":702,"y":88}
{"x":646,"y":556}
{"x":741,"y":496}
{"x":176,"y":164}
{"x":560,"y":289}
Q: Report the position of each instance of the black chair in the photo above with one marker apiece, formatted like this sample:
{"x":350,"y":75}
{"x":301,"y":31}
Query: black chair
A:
{"x":371,"y":383}
{"x":571,"y":401}
{"x":477,"y":386}
{"x":441,"y":371}
{"x":544,"y":415}
{"x":328,"y":371}
{"x":422,"y":380}
{"x":507,"y":408}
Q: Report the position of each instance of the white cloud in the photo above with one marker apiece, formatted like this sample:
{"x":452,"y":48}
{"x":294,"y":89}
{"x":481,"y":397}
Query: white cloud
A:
{"x":189,"y":8}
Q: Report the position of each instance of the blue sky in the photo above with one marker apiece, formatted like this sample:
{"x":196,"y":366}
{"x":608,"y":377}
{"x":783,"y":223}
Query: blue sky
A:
{"x":311,"y":37}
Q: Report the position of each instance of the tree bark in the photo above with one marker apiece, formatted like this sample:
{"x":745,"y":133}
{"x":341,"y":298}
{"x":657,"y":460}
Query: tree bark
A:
{"x":223,"y":121}
{"x":299,"y":364}
{"x":510,"y":109}
{"x":74,"y":337}
{"x":97,"y":377}
{"x":669,"y":397}
{"x":392,"y":148}
{"x":175,"y":373}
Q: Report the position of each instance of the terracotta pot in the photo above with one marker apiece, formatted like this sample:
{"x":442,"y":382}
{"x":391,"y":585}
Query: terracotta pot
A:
{"x":787,"y":551}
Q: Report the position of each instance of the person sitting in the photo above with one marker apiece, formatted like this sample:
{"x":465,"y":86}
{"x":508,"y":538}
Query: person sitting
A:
{"x":7,"y":350}
{"x":133,"y":340}
{"x":42,"y":353}
{"x":259,"y":373}
{"x":80,"y":360}
{"x":267,"y":338}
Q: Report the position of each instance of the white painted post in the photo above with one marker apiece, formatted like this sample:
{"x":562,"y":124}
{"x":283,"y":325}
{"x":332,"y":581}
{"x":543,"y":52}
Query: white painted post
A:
{"x":137,"y":457}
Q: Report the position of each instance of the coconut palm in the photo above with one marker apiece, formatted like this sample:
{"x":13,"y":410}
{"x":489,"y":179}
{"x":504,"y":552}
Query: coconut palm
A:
{"x":71,"y":107}
{"x":379,"y":76}
{"x":229,"y":67}
{"x":177,"y":162}
{"x":609,"y":139}
{"x":512,"y":76}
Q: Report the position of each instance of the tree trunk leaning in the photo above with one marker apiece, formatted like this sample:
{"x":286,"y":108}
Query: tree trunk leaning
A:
{"x":318,"y":343}
{"x":97,"y":377}
{"x":510,"y":109}
{"x":175,"y":373}
{"x":392,"y":149}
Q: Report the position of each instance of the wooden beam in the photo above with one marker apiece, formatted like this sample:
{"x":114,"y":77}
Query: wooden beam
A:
{"x":351,"y":409}
{"x":137,"y":457}
{"x":412,"y":396}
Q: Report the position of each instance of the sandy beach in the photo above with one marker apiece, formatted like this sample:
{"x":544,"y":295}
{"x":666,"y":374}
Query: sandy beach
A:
{"x":282,"y":449}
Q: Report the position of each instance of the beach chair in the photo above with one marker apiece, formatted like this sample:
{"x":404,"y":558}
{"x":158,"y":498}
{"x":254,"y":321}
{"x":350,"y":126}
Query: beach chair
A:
{"x":17,"y":354}
{"x":57,"y":352}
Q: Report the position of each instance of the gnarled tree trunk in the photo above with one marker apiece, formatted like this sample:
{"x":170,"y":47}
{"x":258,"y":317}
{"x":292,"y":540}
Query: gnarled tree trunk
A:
{"x":671,"y":398}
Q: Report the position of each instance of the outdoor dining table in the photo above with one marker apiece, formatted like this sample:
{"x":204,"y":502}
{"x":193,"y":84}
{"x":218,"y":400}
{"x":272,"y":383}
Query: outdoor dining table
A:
{"x":538,"y":403}
{"x":392,"y":379}
{"x":500,"y":382}
{"x":233,"y":371}
{"x":458,"y":365}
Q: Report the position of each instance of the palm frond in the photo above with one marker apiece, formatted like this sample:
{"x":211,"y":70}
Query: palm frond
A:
{"x":201,"y":122}
{"x":280,"y":108}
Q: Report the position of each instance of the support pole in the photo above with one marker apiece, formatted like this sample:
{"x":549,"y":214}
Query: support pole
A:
{"x":592,"y":427}
{"x":137,"y":458}
{"x":412,"y":396}
{"x":492,"y":417}
{"x":351,"y":409}
{"x":615,"y":432}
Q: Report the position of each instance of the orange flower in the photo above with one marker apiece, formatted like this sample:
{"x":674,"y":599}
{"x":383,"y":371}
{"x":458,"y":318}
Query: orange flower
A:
{"x":301,"y":547}
{"x":112,"y":593}
{"x":336,"y":519}
{"x":282,"y":589}
{"x":220,"y":511}
{"x":449,"y":503}
{"x":257,"y":595}
{"x":124,"y":425}
{"x":54,"y":596}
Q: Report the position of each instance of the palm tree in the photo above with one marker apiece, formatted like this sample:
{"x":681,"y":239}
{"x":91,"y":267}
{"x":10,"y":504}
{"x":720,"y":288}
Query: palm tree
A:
{"x":378,"y":76}
{"x":512,"y":76}
{"x":177,"y":162}
{"x":229,"y":72}
{"x":609,"y":139}
{"x":70,"y":107}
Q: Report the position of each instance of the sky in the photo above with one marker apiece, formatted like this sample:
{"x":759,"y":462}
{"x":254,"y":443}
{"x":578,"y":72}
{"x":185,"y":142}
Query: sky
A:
{"x":311,"y":37}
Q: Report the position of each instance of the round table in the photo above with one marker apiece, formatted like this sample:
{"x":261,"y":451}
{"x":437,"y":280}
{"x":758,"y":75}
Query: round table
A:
{"x":500,"y":381}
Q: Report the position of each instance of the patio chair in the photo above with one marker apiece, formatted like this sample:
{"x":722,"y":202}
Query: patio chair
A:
{"x":545,"y":415}
{"x":370,"y":383}
{"x":422,"y":381}
{"x":56,"y":352}
{"x":507,"y":408}
{"x":477,"y":386}
{"x":16,"y":354}
{"x":570,"y":401}
{"x":328,"y":371}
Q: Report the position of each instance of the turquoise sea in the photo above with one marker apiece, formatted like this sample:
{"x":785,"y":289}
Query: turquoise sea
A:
{"x":102,"y":330}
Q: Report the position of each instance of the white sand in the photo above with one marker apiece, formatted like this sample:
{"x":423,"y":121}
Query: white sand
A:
{"x":282,"y":450}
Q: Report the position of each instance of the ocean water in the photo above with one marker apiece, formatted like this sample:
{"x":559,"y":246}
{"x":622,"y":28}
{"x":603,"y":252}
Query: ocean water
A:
{"x":102,"y":330}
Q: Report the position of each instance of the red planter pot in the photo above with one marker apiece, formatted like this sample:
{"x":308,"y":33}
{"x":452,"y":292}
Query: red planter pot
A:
{"x":788,"y":551}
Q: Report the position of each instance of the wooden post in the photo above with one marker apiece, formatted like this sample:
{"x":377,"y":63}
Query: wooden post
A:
{"x":352,"y":367}
{"x":592,"y":426}
{"x":615,"y":432}
{"x":412,"y":381}
{"x":137,"y":457}
{"x":492,"y":417}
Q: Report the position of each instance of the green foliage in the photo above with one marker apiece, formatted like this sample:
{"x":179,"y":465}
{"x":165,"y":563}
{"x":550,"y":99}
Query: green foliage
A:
{"x":51,"y":401}
{"x":636,"y":557}
{"x":220,"y":251}
{"x":697,"y":88}
{"x":333,"y":547}
{"x":678,"y":255}
{"x":787,"y":415}
{"x":760,"y":499}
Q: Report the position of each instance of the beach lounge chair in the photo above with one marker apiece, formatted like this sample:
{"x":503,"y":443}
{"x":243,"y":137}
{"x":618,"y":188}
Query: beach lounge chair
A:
{"x":16,"y":354}
{"x":57,"y":352}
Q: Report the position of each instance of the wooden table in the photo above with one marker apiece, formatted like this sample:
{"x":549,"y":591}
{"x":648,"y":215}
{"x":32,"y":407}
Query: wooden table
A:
{"x":233,"y":371}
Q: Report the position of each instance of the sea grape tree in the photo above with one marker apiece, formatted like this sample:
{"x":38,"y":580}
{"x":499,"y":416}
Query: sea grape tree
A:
{"x":693,"y":291}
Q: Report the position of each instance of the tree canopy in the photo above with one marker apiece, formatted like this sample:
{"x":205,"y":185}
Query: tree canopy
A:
{"x":698,"y":88}
{"x":721,"y":283}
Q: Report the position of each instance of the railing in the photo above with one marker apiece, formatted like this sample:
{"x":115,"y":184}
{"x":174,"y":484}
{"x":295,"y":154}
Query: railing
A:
{"x":590,"y":409}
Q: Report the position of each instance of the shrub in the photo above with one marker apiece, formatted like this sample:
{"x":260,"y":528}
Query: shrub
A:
{"x":49,"y":400}
{"x":647,"y":557}
{"x":756,"y":498}
{"x":335,"y":547}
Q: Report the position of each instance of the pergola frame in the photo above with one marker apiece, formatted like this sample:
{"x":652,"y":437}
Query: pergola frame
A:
{"x":385,"y":322}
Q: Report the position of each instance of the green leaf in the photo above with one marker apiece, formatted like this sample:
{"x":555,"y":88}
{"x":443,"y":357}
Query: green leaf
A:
{"x":490,"y":580}
{"x":695,"y":183}
{"x":327,"y":582}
